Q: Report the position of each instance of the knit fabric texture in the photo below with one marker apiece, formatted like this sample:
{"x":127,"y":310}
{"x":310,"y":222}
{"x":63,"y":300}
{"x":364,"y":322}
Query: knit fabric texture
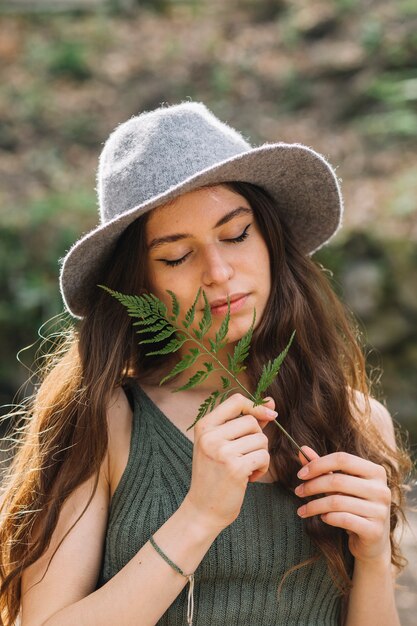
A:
{"x":236,"y":582}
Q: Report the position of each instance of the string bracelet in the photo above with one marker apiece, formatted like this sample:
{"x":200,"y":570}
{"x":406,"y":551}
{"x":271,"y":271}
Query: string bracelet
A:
{"x":190,"y":599}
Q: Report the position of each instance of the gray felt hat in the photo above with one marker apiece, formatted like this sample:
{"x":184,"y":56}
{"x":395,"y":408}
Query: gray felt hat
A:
{"x":159,"y":155}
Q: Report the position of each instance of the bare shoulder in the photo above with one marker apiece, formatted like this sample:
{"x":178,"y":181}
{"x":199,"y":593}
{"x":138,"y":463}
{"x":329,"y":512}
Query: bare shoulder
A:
{"x":69,"y":568}
{"x":119,"y":424}
{"x":379,"y":415}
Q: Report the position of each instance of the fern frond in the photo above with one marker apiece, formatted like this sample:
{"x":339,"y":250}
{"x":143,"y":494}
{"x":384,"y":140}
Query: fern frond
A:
{"x":204,"y":408}
{"x":172,"y":346}
{"x":270,"y":371}
{"x":189,"y":316}
{"x":241,"y":351}
{"x":225,"y":382}
{"x":175,"y":306}
{"x":224,"y":326}
{"x":197,"y":378}
{"x":153,"y":328}
{"x":144,"y":321}
{"x":134,"y":304}
{"x":164,"y":334}
{"x":151,"y":316}
{"x":206,"y":321}
{"x":186,"y":362}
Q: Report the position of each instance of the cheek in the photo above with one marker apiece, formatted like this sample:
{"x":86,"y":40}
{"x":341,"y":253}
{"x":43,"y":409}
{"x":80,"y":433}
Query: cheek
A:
{"x":158,"y":285}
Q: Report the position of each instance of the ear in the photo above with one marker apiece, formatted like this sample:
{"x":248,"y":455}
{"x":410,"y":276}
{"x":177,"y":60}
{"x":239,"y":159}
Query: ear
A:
{"x":309,"y":452}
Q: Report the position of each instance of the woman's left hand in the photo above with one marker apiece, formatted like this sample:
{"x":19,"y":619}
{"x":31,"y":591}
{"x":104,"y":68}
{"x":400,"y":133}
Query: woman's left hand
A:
{"x":355,"y":497}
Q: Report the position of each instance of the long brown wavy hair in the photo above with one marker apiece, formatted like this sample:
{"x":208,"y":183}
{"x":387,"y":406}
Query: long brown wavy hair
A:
{"x":64,"y":431}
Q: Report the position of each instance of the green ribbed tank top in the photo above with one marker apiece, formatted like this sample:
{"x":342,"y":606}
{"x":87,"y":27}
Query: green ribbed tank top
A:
{"x":236,"y":582}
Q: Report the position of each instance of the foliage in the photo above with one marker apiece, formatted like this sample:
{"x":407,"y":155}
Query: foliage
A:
{"x":152,"y":317}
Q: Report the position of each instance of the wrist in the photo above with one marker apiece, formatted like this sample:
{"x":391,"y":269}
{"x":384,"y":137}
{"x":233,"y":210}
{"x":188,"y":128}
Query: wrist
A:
{"x":200,"y":524}
{"x":379,"y":564}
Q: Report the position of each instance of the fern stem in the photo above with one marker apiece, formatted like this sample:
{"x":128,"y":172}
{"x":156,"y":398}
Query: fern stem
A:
{"x":251,"y":396}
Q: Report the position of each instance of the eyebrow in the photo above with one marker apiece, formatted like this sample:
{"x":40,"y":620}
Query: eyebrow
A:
{"x":159,"y":241}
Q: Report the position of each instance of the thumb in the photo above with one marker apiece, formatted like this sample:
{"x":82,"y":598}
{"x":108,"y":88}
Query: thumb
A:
{"x":270,"y":403}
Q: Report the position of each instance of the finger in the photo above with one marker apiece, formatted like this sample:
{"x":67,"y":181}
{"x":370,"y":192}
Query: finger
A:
{"x":341,"y":503}
{"x":343,"y":483}
{"x":361,"y":526}
{"x":248,"y":443}
{"x":342,"y":462}
{"x":256,"y":460}
{"x":233,"y":407}
{"x":311,"y":454}
{"x":270,"y":404}
{"x":240,"y":426}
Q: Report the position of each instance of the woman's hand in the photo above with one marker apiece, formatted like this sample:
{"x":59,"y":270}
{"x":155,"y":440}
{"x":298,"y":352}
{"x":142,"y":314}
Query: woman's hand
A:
{"x":355,"y":496}
{"x":229,"y":448}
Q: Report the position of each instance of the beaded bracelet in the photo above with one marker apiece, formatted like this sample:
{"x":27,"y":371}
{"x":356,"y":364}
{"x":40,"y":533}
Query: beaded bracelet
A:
{"x":190,"y":602}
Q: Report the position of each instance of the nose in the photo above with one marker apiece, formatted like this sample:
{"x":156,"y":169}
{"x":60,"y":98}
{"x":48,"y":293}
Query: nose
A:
{"x":216,"y":268}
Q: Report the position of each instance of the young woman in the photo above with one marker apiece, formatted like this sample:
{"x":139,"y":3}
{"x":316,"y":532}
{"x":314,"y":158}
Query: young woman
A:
{"x":113,"y":505}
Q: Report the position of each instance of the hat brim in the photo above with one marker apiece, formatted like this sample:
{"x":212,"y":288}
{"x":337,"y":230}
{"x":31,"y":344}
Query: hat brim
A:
{"x":301,"y":181}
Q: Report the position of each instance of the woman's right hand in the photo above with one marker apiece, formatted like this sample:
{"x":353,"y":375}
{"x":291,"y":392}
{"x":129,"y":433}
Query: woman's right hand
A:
{"x":229,"y":447}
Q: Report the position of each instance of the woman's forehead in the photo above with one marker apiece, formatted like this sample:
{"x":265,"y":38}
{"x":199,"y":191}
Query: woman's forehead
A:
{"x":204,"y":202}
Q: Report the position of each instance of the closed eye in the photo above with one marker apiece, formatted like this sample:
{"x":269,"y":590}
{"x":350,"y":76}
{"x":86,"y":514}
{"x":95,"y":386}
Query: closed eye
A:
{"x":239,"y":239}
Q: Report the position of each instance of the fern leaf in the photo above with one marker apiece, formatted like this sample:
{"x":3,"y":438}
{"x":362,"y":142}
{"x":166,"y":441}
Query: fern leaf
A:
{"x":186,"y":361}
{"x":164,"y":334}
{"x":153,"y":328}
{"x":172,"y":346}
{"x":223,"y":397}
{"x":197,"y":378}
{"x":241,"y":351}
{"x":206,"y":321}
{"x":145,"y":321}
{"x":214,"y":397}
{"x":215,"y":347}
{"x":212,"y":346}
{"x":270,"y":371}
{"x":225,"y":382}
{"x":175,"y":306}
{"x":135,"y":306}
{"x":204,"y":408}
{"x":155,"y":304}
{"x":189,"y":316}
{"x":224,"y":327}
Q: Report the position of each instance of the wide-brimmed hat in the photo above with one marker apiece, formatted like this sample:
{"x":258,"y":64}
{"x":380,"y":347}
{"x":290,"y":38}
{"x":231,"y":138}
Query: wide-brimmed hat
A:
{"x":159,"y":155}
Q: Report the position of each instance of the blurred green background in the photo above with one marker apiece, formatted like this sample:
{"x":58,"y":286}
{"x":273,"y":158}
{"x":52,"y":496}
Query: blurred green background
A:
{"x":339,"y":76}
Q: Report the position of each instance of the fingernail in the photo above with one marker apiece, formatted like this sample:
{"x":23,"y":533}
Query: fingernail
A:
{"x":299,"y":490}
{"x":271,"y":413}
{"x":303,"y":472}
{"x":302,"y":511}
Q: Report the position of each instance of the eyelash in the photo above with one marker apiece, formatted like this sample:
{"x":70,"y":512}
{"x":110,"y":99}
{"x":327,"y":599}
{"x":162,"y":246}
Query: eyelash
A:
{"x":239,"y":239}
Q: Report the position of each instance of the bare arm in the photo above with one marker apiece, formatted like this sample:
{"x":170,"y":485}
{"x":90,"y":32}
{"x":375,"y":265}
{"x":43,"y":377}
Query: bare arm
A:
{"x":227,"y":450}
{"x":137,"y":596}
{"x":372,"y":599}
{"x":142,"y":591}
{"x":355,"y":496}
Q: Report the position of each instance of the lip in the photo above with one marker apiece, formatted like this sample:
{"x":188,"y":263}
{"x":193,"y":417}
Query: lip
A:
{"x":236,"y":303}
{"x":221,"y":301}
